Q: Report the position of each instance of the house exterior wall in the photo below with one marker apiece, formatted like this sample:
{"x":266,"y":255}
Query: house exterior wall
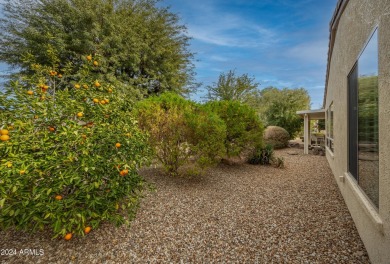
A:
{"x":355,"y":26}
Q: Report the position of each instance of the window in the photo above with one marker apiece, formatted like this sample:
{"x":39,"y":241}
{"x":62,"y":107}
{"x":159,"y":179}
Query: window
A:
{"x":329,"y":127}
{"x":363,"y":141}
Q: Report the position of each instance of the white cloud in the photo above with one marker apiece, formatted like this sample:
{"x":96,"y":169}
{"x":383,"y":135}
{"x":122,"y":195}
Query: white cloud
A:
{"x":310,"y":52}
{"x":219,"y":58}
{"x":213,"y":26}
{"x":241,"y":34}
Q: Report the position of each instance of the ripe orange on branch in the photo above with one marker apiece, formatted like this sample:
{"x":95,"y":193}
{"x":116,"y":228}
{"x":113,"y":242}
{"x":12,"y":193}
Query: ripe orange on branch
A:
{"x":29,"y":92}
{"x":4,"y":137}
{"x":87,"y":229}
{"x":58,"y":197}
{"x":4,"y":132}
{"x":96,"y":63}
{"x":124,"y":172}
{"x":68,"y":236}
{"x":118,"y":145}
{"x":89,"y":57}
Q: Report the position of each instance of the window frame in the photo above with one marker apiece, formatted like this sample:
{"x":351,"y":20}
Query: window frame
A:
{"x":353,"y":120}
{"x":330,"y":127}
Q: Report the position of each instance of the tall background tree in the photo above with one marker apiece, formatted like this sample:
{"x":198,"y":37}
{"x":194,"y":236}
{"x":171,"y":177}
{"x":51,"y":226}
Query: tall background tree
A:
{"x":137,"y":43}
{"x":233,"y":88}
{"x":278,"y":107}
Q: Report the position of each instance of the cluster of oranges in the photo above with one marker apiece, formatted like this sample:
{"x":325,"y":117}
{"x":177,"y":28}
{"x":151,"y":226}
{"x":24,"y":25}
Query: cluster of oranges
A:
{"x":68,"y":236}
{"x":4,"y":135}
{"x":54,"y":73}
{"x":85,"y":86}
{"x":43,"y":87}
{"x":78,"y":86}
{"x":103,"y":101}
{"x":89,"y":58}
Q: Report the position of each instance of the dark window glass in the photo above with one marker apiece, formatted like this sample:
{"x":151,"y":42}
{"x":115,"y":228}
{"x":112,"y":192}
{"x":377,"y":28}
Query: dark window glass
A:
{"x":329,"y":128}
{"x":363,"y":155}
{"x":352,"y":122}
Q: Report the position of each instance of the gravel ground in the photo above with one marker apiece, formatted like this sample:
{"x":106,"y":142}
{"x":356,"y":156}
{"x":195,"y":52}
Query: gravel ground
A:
{"x":234,"y":214}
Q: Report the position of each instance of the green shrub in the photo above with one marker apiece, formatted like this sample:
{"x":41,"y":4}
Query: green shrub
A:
{"x":265,"y":156}
{"x":278,"y":162}
{"x":181,"y":132}
{"x":276,"y":136}
{"x":62,"y":167}
{"x":262,"y":156}
{"x":243,"y":126}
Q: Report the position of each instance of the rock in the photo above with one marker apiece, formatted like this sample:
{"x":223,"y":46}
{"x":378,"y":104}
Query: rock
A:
{"x":318,"y":151}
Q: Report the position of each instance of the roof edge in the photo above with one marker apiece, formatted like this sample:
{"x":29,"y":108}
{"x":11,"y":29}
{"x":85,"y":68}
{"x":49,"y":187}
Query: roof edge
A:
{"x":334,"y":22}
{"x":302,"y":112}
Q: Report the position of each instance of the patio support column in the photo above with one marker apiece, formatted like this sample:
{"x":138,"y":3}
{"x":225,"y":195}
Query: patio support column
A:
{"x":306,"y":134}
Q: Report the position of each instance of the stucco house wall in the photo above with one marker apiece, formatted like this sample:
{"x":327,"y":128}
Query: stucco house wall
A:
{"x":351,"y":27}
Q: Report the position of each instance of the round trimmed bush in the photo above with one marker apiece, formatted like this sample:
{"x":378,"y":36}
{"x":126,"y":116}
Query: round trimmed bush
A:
{"x":276,"y":136}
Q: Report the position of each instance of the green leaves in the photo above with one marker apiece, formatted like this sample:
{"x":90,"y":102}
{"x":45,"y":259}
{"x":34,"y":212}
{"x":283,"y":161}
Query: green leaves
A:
{"x":278,"y":108}
{"x":61,"y":174}
{"x":138,"y":43}
{"x":2,"y":201}
{"x":244,"y":129}
{"x":181,"y":131}
{"x":233,"y":88}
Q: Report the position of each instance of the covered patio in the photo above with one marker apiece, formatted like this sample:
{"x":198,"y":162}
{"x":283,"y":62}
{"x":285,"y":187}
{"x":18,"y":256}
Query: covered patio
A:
{"x":307,"y":116}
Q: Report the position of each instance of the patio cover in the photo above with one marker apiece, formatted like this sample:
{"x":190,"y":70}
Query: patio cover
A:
{"x":309,"y":115}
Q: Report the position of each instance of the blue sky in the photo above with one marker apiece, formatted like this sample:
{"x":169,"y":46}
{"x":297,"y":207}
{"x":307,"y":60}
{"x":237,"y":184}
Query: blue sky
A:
{"x":282,"y":43}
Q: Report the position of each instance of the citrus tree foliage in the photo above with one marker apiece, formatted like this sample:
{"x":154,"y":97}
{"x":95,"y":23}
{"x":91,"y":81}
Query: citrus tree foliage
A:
{"x":231,"y":87}
{"x":278,"y":107}
{"x":368,"y":108}
{"x":181,"y":132}
{"x":244,"y":130}
{"x":138,"y":43}
{"x":71,"y":156}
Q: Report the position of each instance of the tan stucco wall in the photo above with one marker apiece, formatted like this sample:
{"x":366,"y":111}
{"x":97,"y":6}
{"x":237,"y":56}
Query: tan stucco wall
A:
{"x":356,"y":25}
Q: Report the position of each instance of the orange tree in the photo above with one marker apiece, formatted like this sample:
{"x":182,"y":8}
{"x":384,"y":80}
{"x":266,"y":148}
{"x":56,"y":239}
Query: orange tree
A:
{"x":69,"y":152}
